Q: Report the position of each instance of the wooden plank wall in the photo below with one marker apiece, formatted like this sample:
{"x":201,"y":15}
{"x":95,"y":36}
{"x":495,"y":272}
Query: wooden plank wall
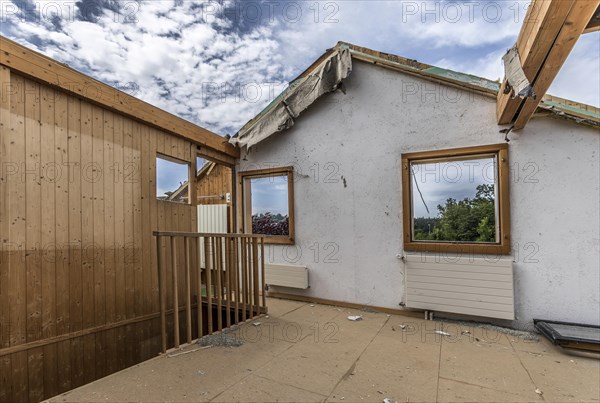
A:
{"x":78,"y":277}
{"x":216,"y":182}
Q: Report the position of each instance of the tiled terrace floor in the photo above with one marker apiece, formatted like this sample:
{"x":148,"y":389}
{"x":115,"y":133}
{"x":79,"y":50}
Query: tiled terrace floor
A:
{"x":304,"y":352}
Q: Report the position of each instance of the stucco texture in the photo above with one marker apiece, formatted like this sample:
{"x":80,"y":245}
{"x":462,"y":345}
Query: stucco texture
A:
{"x":346,"y":152}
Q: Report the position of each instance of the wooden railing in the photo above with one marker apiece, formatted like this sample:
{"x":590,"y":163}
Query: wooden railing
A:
{"x":218,"y":278}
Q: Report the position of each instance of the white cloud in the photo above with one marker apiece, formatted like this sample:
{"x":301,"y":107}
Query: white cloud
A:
{"x":205,"y":61}
{"x":579,"y":78}
{"x":489,"y":65}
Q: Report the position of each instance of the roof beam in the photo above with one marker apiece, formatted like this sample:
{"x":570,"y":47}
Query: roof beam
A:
{"x":594,"y":24}
{"x":578,"y":18}
{"x":58,"y":75}
{"x":542,"y":24}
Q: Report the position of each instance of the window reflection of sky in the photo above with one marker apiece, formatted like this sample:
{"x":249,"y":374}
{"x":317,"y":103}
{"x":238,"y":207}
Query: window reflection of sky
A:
{"x":439,"y":181}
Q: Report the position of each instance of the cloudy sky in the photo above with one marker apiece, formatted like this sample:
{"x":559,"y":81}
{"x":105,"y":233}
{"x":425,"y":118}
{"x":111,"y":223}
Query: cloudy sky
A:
{"x":270,"y":195}
{"x":218,"y":63}
{"x":443,"y":180}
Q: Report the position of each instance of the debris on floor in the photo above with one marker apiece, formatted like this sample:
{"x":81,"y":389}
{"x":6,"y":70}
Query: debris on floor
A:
{"x":187,"y":351}
{"x":522,"y":335}
{"x":354,"y":318}
{"x":222,"y":339}
{"x":388,"y":400}
{"x":442,"y":333}
{"x":257,"y":324}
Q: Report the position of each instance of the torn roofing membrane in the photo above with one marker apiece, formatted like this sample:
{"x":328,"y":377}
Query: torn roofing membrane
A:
{"x":328,"y":72}
{"x":301,"y":93}
{"x":521,"y":87}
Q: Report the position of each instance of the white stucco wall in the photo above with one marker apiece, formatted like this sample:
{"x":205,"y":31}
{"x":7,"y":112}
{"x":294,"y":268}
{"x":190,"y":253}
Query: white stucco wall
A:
{"x":346,"y":151}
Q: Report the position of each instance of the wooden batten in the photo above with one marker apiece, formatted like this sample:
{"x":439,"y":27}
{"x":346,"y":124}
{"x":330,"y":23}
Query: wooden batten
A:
{"x":351,"y":305}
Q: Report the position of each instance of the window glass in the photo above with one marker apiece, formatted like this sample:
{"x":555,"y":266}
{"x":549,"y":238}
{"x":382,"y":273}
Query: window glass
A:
{"x":270,"y":207}
{"x":455,"y":200}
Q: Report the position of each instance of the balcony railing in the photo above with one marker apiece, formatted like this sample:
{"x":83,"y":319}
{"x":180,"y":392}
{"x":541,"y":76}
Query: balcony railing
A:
{"x":218,"y":279}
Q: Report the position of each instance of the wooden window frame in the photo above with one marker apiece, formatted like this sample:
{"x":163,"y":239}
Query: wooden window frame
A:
{"x":245,"y":220}
{"x":191,"y":167}
{"x":503,"y":246}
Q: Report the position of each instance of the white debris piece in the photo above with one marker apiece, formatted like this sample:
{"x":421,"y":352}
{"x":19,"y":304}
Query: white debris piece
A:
{"x":539,"y":392}
{"x":256,"y":324}
{"x":442,"y":333}
{"x":354,"y":318}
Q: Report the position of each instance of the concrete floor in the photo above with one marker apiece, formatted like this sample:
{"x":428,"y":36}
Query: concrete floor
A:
{"x":306,"y":353}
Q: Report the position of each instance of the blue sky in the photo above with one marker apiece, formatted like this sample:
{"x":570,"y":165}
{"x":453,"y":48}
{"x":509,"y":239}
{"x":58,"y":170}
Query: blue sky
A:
{"x":219,"y":63}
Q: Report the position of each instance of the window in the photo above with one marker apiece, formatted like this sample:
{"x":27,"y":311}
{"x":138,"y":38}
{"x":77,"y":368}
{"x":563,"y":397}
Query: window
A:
{"x":172,"y":179}
{"x":268,"y":204}
{"x":457,"y":200}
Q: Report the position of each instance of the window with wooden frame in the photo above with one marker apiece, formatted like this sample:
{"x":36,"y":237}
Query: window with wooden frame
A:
{"x":457,"y":200}
{"x":267,"y":197}
{"x":172,"y":179}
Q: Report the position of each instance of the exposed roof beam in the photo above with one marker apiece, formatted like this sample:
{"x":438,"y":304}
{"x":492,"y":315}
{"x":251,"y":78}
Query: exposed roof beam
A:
{"x":579,"y":16}
{"x":540,"y":28}
{"x":549,"y":33}
{"x":594,"y":24}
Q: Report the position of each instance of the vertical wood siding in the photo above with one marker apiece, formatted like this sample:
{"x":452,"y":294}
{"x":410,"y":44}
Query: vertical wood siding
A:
{"x":77,"y":259}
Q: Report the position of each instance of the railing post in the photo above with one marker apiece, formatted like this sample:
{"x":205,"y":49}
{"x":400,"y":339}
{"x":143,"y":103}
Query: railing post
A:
{"x":219,"y":271}
{"x":200,"y":304}
{"x":228,"y":279}
{"x":256,"y":281}
{"x":188,"y":291}
{"x":162,"y":295}
{"x":262,"y":272}
{"x":208,"y":263}
{"x":244,"y":251}
{"x":236,"y":281}
{"x":175,"y":294}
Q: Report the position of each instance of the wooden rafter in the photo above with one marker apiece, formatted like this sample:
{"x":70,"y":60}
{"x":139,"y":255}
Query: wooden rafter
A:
{"x":549,"y":33}
{"x":594,"y":24}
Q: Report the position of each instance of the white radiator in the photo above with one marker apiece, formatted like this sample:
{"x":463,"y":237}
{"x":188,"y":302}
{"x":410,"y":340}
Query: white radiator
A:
{"x":470,"y":286}
{"x":286,"y":275}
{"x":212,"y":219}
